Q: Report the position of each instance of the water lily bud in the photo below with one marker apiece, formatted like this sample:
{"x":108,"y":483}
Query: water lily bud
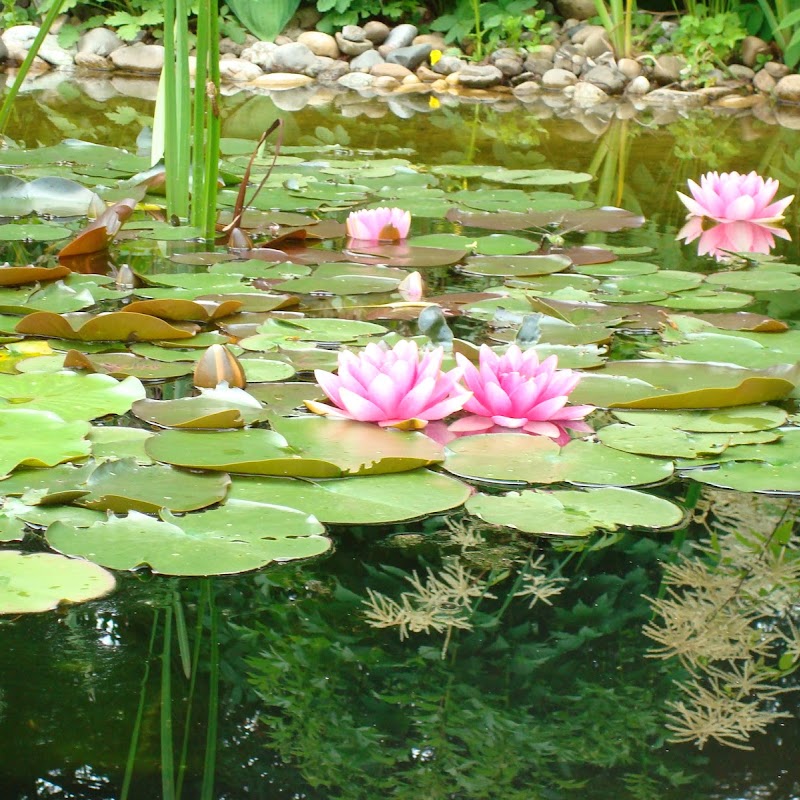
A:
{"x":216,"y":365}
{"x":125,"y":278}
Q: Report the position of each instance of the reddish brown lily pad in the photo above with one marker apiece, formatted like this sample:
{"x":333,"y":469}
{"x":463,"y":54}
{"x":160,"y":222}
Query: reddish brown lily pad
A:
{"x":185,"y":310}
{"x":17,"y":276}
{"x":112,"y":326}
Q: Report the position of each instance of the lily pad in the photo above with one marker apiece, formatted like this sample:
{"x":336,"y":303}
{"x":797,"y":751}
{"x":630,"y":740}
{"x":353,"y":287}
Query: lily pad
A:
{"x":109,"y":326}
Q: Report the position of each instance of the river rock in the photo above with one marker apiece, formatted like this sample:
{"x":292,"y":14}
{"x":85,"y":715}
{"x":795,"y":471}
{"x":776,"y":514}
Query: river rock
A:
{"x":351,"y":48}
{"x":510,"y":67}
{"x":19,"y":38}
{"x":764,"y":82}
{"x":558,"y":78}
{"x":409,"y":57}
{"x":238,"y":69}
{"x":228,"y":46}
{"x":366,"y":61}
{"x":139,"y":58}
{"x":320,"y":44}
{"x":320,"y":64}
{"x":386,"y":83}
{"x":576,"y":9}
{"x":787,"y":90}
{"x":292,"y":57}
{"x":93,"y":61}
{"x":447,"y":65}
{"x":474,"y":76}
{"x":667,"y":69}
{"x":777,"y":69}
{"x":629,"y":67}
{"x":610,"y":80}
{"x":331,"y":74}
{"x":261,"y":54}
{"x":537,"y":66}
{"x":353,"y":33}
{"x":426,"y":74}
{"x":639,"y":85}
{"x":400,"y":36}
{"x":586,"y":94}
{"x":390,"y":70}
{"x":568,"y":57}
{"x":752,"y":47}
{"x":376,"y":31}
{"x":99,"y":42}
{"x":281,"y":80}
{"x":527,"y":91}
{"x":356,"y":80}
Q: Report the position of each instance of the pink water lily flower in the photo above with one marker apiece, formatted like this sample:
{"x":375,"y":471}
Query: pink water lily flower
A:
{"x":378,"y":224}
{"x":724,"y":238}
{"x":729,"y":196}
{"x":516,"y":391}
{"x":393,"y":387}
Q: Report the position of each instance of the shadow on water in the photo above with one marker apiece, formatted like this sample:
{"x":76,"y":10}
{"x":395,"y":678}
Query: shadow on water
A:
{"x":512,"y":677}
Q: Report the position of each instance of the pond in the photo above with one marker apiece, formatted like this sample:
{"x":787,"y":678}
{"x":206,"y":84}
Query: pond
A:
{"x":579,"y":642}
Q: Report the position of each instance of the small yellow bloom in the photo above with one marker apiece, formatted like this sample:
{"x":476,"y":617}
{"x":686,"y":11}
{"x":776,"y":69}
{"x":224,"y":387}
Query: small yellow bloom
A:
{"x":435,"y":56}
{"x":433,"y":102}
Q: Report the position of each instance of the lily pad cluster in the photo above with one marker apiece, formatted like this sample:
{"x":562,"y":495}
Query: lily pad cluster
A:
{"x":109,"y":453}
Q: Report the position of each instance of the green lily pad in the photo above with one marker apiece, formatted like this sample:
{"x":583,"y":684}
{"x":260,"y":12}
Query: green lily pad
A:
{"x":115,"y":442}
{"x":32,"y":232}
{"x":371,"y":499}
{"x":236,"y":537}
{"x":197,"y":413}
{"x":575,"y":513}
{"x":515,"y":266}
{"x":723,"y":420}
{"x":518,"y":458}
{"x":756,"y":280}
{"x":34,"y":582}
{"x":118,"y":365}
{"x":308,"y":329}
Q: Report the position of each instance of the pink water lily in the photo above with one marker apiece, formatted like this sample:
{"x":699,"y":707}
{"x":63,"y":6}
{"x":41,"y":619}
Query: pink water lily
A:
{"x":724,"y":238}
{"x":378,"y":224}
{"x":397,"y":387}
{"x":516,"y":391}
{"x":729,"y":196}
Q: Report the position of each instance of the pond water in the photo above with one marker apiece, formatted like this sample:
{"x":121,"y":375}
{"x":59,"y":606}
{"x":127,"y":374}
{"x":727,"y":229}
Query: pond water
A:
{"x":536,"y":677}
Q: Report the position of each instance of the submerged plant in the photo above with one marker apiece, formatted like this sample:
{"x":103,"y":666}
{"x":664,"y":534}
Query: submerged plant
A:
{"x":393,"y":387}
{"x":729,"y":197}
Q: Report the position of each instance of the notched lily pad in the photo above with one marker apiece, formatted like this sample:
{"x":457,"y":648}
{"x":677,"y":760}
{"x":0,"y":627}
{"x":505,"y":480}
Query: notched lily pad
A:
{"x":109,"y":326}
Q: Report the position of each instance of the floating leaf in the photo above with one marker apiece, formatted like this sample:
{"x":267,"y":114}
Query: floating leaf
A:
{"x":110,"y":326}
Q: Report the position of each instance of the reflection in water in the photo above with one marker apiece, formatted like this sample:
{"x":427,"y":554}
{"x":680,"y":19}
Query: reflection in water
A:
{"x":724,"y":239}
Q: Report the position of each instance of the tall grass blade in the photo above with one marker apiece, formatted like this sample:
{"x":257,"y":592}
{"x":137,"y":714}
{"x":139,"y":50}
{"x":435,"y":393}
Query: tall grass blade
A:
{"x":24,"y":69}
{"x":137,"y":723}
{"x":167,"y":753}
{"x":211,"y":155}
{"x":209,"y":763}
{"x":182,"y":634}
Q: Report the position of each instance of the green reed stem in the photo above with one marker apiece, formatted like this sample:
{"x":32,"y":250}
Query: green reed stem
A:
{"x":209,"y":763}
{"x":211,"y":154}
{"x":137,"y":723}
{"x":183,"y":105}
{"x":167,"y":753}
{"x":22,"y":72}
{"x":183,"y":635}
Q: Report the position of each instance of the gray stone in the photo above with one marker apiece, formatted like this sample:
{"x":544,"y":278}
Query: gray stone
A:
{"x":610,"y":80}
{"x":776,"y":69}
{"x":320,"y":64}
{"x":320,"y":44}
{"x":741,"y":72}
{"x":510,"y":67}
{"x":474,"y":76}
{"x":389,"y":70}
{"x":292,"y":57}
{"x":537,"y":66}
{"x":386,"y":83}
{"x":787,"y":90}
{"x":260,"y":53}
{"x":99,"y":42}
{"x":366,"y":61}
{"x":580,"y":34}
{"x":331,"y":74}
{"x":139,"y":58}
{"x":529,"y":90}
{"x":576,"y":9}
{"x":307,"y":17}
{"x":752,"y":48}
{"x":376,"y":31}
{"x":238,"y":69}
{"x":671,"y":97}
{"x":629,"y":67}
{"x":427,"y":75}
{"x":409,"y":57}
{"x":597,"y":44}
{"x":350,"y":48}
{"x":227,"y":45}
{"x":667,"y":69}
{"x":764,"y":82}
{"x":639,"y":85}
{"x":353,"y":33}
{"x":547,"y":51}
{"x":400,"y":36}
{"x":570,"y":58}
{"x":587,"y":94}
{"x":93,"y":61}
{"x":558,"y":78}
{"x":446,"y":65}
{"x":356,"y":80}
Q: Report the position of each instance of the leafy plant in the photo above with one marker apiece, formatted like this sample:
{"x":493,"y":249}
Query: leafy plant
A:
{"x":784,"y":25}
{"x":338,"y":13}
{"x":617,"y":19}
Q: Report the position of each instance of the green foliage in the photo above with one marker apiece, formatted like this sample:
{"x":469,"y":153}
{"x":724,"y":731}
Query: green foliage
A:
{"x":707,"y":41}
{"x":784,"y":26}
{"x":338,"y":13}
{"x":264,"y":18}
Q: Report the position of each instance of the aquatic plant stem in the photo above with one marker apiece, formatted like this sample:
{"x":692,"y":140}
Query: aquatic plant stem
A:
{"x":209,"y":763}
{"x":137,"y":723}
{"x":22,"y":72}
{"x":167,"y":753}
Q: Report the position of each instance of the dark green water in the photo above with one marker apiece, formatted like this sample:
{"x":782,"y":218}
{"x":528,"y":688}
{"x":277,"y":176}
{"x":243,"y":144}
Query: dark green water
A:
{"x":557,"y":701}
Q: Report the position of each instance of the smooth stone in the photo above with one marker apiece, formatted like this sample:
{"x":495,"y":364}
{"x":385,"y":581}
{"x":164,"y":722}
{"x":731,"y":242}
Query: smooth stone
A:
{"x":399,"y":36}
{"x":752,"y":47}
{"x":319,"y":65}
{"x":610,"y":80}
{"x":529,"y":90}
{"x":435,"y":40}
{"x":672,"y":97}
{"x":764,"y":82}
{"x":474,"y":76}
{"x":409,"y":57}
{"x":292,"y":57}
{"x":585,"y":95}
{"x":99,"y":42}
{"x":307,"y":17}
{"x":93,"y":61}
{"x":787,"y":90}
{"x":139,"y":58}
{"x":439,"y":85}
{"x":558,"y":78}
{"x":639,"y":85}
{"x":426,"y":74}
{"x":376,"y":31}
{"x":356,"y":80}
{"x":737,"y":101}
{"x":281,"y":80}
{"x":353,"y":33}
{"x":261,"y":53}
{"x":349,"y":48}
{"x":741,"y":73}
{"x":510,"y":67}
{"x":667,"y":69}
{"x":227,"y":45}
{"x":389,"y":70}
{"x":320,"y":44}
{"x":238,"y":69}
{"x":547,"y":51}
{"x":447,"y":65}
{"x":576,"y":9}
{"x":777,"y":69}
{"x":570,"y":58}
{"x":386,"y":83}
{"x":366,"y":61}
{"x":788,"y":117}
{"x":630,"y":68}
{"x":537,"y":66}
{"x":597,"y":45}
{"x":331,"y":74}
